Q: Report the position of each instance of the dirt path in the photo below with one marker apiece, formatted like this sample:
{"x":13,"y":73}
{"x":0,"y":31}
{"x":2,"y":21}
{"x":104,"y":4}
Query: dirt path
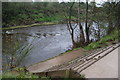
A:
{"x":106,"y":67}
{"x":39,"y":67}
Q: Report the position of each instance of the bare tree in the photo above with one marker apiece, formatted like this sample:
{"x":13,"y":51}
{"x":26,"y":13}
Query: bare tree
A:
{"x":71,"y":27}
{"x":82,"y":38}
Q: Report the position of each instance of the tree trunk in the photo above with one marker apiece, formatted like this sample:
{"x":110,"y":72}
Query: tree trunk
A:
{"x":71,"y":29}
{"x":72,"y":37}
{"x":118,"y":16}
{"x":86,"y":25}
{"x":82,"y":38}
{"x":110,"y":24}
{"x":110,"y":27}
{"x":98,"y":35}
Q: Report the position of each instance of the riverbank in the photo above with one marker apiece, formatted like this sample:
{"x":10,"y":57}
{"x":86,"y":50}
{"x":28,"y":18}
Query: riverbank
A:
{"x":32,"y":25}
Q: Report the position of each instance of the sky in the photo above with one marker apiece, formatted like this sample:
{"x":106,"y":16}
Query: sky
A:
{"x":97,"y":1}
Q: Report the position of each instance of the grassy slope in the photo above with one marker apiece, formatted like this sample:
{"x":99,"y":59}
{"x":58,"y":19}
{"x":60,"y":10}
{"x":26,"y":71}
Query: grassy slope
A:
{"x":104,"y":41}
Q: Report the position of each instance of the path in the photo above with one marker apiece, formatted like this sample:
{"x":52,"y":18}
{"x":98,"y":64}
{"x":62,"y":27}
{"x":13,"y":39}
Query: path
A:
{"x":39,"y":67}
{"x":107,"y":67}
{"x":101,"y":63}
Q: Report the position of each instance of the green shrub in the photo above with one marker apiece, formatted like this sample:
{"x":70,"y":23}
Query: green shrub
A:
{"x":92,"y":45}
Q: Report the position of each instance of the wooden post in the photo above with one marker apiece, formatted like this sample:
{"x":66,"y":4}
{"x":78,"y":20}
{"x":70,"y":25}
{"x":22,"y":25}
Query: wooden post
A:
{"x":67,"y":73}
{"x":46,"y":74}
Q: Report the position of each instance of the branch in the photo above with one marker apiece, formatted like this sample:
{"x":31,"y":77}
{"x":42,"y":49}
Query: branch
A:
{"x":75,"y":26}
{"x":68,"y":26}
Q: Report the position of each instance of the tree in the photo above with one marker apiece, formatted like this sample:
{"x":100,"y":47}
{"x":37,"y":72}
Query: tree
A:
{"x":112,"y":11}
{"x":69,"y":25}
{"x":82,"y":38}
{"x":86,"y":23}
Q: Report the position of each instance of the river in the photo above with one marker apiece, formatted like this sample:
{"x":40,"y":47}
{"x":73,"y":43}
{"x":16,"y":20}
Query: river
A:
{"x":47,"y":42}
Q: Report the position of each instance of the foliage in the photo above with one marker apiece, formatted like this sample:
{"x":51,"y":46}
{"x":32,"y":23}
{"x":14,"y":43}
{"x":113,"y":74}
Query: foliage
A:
{"x":18,"y":73}
{"x":104,"y":40}
{"x":30,"y":13}
{"x":92,"y":45}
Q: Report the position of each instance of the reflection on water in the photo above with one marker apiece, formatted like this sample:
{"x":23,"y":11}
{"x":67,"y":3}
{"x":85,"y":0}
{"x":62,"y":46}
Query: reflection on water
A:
{"x":11,"y":44}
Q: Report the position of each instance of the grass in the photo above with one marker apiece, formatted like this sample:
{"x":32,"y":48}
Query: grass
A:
{"x":42,"y":24}
{"x":113,"y":37}
{"x":55,"y":18}
{"x":18,"y":73}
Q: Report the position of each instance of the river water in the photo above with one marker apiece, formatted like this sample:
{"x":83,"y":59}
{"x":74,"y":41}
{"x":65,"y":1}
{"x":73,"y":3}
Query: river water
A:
{"x":47,"y":42}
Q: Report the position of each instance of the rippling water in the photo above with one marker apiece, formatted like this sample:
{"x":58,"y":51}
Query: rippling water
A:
{"x":47,"y":42}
